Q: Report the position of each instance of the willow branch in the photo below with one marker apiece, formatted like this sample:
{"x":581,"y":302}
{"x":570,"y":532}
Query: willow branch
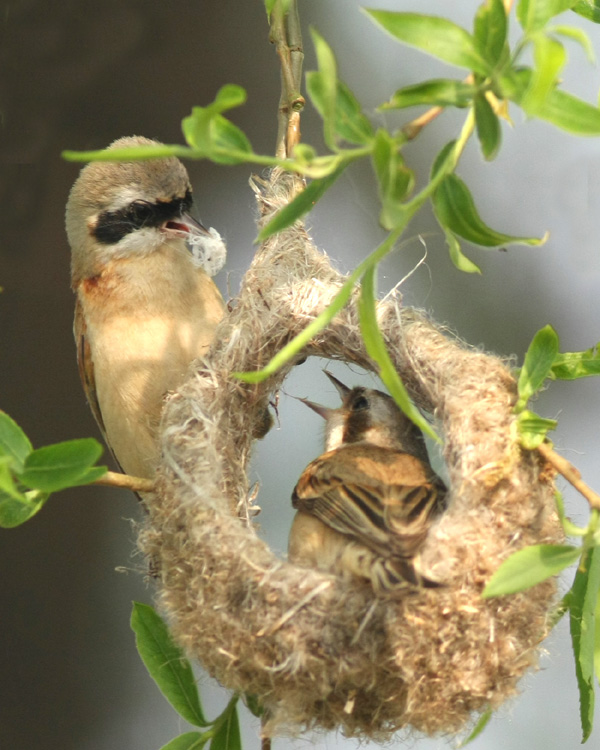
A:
{"x":126,"y":481}
{"x":285,"y":34}
{"x":570,"y":473}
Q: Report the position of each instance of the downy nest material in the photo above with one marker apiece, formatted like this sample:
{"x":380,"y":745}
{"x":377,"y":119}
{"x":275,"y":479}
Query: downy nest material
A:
{"x":319,"y":652}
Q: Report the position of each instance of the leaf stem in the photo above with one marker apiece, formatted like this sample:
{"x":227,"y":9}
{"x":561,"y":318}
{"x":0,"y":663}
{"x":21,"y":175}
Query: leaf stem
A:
{"x":126,"y":481}
{"x":570,"y":473}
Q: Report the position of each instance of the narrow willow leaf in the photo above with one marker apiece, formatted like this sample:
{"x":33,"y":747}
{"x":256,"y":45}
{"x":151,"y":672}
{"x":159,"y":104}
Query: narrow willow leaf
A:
{"x":229,"y":144}
{"x":533,"y":15}
{"x":350,"y":123}
{"x":300,"y":205}
{"x":327,"y":85}
{"x":227,"y":736}
{"x":133,"y":153}
{"x":13,"y":441}
{"x":550,"y":57}
{"x":455,"y":210}
{"x":228,"y":96}
{"x":254,"y":705}
{"x":443,"y":92}
{"x":456,"y":255}
{"x":533,"y":429}
{"x":563,"y":110}
{"x":56,"y":467}
{"x":166,"y":663}
{"x":187,"y":741}
{"x":537,"y":365}
{"x":394,"y":179}
{"x":17,"y":509}
{"x":577,"y":35}
{"x":589,"y":9}
{"x":573,"y":365}
{"x":376,"y":349}
{"x":597,"y":640}
{"x":490,"y":30}
{"x":435,"y":36}
{"x":488,"y":127}
{"x":583,"y":599}
{"x":530,"y":566}
{"x":482,"y":723}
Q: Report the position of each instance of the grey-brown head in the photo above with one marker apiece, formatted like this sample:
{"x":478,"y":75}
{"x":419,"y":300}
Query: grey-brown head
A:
{"x":119,"y":209}
{"x":370,"y":416}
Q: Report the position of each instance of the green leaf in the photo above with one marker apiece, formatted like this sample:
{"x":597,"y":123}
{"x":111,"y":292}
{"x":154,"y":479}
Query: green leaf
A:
{"x":550,"y":57}
{"x":300,"y":205}
{"x":533,"y":15}
{"x":13,"y":441}
{"x":597,"y":640}
{"x":533,"y":429}
{"x":482,"y":723}
{"x":188,"y":741}
{"x":350,"y":123}
{"x":577,"y":35}
{"x":488,"y":127}
{"x":589,"y":9}
{"x":583,"y":599}
{"x":455,"y":210}
{"x":395,"y":180}
{"x":573,"y":365}
{"x":56,"y":467}
{"x":435,"y":36}
{"x":211,"y":134}
{"x":563,"y":110}
{"x":227,"y":736}
{"x":255,"y":707}
{"x":456,"y":255}
{"x":490,"y":30}
{"x":16,"y":509}
{"x":131,"y":153}
{"x":376,"y":349}
{"x":166,"y":663}
{"x":284,"y":6}
{"x":327,"y":86}
{"x":443,"y":92}
{"x":537,"y":364}
{"x":530,"y":566}
{"x":229,"y":144}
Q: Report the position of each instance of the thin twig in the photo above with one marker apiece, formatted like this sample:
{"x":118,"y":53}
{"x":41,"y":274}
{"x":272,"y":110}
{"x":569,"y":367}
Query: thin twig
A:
{"x":286,"y":36}
{"x":126,"y":481}
{"x":265,"y":743}
{"x":570,"y":473}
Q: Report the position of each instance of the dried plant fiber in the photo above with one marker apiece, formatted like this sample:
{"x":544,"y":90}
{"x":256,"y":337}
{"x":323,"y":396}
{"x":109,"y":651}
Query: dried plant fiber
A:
{"x":317,"y":651}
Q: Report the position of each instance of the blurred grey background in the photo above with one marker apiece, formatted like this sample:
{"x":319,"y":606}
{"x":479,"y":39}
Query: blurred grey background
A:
{"x":79,"y":74}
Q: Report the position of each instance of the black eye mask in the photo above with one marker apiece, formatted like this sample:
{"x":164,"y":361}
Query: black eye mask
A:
{"x":112,"y":226}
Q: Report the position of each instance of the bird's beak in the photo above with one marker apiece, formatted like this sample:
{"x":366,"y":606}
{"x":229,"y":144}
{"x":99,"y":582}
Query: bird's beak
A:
{"x":342,"y":389}
{"x":322,"y":411}
{"x":186,"y":226}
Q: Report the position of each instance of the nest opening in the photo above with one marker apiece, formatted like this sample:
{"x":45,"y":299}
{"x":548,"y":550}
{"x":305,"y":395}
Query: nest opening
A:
{"x":319,"y":652}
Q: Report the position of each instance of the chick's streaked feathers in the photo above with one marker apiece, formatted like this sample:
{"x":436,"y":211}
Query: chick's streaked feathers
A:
{"x":365,"y":507}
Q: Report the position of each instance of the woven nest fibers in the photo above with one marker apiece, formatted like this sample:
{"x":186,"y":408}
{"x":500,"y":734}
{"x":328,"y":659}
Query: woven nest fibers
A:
{"x":317,"y":651}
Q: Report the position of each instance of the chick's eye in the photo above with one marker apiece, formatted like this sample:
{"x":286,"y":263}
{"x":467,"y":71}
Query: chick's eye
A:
{"x":360,"y":403}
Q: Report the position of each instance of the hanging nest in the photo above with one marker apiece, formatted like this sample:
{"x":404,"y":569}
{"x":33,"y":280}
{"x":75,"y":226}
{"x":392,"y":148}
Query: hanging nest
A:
{"x":319,"y":652}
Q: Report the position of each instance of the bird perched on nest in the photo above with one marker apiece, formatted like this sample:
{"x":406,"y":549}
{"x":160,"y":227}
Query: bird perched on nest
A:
{"x":366,"y":504}
{"x":145,"y":305}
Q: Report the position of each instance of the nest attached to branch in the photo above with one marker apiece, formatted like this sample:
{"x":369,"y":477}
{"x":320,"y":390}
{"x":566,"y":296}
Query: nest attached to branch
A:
{"x":319,"y":652}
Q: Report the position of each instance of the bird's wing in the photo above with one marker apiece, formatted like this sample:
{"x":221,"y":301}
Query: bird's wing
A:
{"x":381,"y":498}
{"x":86,"y":366}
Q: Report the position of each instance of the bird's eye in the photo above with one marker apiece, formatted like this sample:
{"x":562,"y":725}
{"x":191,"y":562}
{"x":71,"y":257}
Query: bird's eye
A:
{"x":141,"y":213}
{"x":360,"y":403}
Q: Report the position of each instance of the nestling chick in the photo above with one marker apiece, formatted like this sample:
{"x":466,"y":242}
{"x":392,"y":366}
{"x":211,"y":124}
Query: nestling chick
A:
{"x":145,"y":306}
{"x":365,"y":506}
